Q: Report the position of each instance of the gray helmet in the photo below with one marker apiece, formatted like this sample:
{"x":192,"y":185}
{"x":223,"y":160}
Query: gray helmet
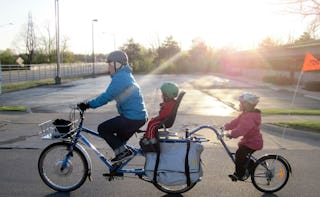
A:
{"x":118,"y":56}
{"x":249,"y":98}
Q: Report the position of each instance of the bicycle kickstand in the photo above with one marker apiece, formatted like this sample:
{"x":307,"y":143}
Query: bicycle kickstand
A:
{"x":113,"y":172}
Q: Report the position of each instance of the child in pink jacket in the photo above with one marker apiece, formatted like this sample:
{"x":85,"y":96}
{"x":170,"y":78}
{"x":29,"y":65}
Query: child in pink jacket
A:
{"x":247,"y":125}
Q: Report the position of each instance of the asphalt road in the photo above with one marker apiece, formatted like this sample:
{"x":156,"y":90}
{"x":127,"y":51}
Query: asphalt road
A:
{"x":20,"y":145}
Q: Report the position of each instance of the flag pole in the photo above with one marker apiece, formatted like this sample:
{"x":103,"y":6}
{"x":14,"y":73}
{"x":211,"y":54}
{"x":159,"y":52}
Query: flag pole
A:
{"x":292,"y":101}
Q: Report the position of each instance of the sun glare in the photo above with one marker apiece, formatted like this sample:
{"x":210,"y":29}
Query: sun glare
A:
{"x":212,"y":107}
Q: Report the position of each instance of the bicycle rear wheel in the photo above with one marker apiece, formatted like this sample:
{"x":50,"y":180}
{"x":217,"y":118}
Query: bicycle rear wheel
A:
{"x":50,"y":163}
{"x":174,"y":189}
{"x":270,"y":173}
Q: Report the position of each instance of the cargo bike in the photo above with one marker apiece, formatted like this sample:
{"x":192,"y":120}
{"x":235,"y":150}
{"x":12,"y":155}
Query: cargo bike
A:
{"x":65,"y":164}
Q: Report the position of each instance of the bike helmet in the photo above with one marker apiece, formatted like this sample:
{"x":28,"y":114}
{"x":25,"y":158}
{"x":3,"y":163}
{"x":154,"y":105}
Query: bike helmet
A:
{"x":249,"y":98}
{"x":118,"y":56}
{"x":170,"y":89}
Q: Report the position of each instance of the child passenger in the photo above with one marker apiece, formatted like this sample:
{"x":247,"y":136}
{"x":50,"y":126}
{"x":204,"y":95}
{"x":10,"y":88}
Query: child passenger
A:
{"x":247,"y":125}
{"x":169,"y":92}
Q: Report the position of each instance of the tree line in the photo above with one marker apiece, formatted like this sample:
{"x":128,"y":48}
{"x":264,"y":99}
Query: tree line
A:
{"x":166,"y":58}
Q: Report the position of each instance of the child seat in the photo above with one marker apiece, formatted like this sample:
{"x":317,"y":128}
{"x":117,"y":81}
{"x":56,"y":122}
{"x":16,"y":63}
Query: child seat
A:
{"x":153,"y":145}
{"x":169,"y":121}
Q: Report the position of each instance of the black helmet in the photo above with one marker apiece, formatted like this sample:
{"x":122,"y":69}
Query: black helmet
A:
{"x":118,"y":56}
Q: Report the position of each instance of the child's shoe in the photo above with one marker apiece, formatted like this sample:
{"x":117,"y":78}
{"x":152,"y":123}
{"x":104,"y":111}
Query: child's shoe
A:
{"x":235,"y":178}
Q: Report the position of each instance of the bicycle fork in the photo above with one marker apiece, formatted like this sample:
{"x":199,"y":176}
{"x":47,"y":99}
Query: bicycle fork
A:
{"x":66,"y":164}
{"x":67,"y":158}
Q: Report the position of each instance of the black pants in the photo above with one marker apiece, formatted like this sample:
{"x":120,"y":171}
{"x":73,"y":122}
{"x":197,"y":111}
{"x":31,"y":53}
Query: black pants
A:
{"x":117,"y":131}
{"x":241,"y":160}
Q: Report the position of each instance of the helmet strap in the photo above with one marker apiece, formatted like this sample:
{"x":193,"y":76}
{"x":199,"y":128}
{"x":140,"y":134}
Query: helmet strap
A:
{"x":114,"y":66}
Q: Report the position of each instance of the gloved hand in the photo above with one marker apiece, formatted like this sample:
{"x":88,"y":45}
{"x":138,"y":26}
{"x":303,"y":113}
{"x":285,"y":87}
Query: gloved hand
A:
{"x":83,"y":106}
{"x":228,"y":135}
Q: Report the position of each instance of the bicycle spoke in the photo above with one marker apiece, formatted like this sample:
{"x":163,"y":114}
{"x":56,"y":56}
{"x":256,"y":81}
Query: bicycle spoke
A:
{"x":270,"y":174}
{"x":59,"y":174}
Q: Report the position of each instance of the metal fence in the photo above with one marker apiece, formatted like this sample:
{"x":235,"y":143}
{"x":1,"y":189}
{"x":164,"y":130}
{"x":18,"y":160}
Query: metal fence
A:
{"x":15,"y":74}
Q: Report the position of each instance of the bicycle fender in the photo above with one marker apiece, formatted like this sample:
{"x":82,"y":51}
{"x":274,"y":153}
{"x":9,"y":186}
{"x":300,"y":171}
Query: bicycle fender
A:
{"x":83,"y":150}
{"x":284,"y":159}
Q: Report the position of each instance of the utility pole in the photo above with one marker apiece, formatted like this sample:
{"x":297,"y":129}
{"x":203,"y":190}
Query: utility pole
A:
{"x":57,"y":78}
{"x":31,"y":39}
{"x":93,"y":57}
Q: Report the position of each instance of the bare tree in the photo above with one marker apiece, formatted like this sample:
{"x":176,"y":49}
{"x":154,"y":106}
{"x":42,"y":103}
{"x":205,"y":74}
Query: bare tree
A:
{"x":30,"y":39}
{"x":47,"y":44}
{"x":303,"y":7}
{"x":155,"y":42}
{"x":64,"y":46}
{"x":313,"y":28}
{"x":306,"y":9}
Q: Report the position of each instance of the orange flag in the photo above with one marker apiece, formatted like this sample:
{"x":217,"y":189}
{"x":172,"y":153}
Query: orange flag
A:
{"x":310,"y":63}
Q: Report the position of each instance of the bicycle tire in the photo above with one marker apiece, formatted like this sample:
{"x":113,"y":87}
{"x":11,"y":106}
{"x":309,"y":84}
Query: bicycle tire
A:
{"x":270,"y":173}
{"x":69,"y":179}
{"x":174,"y":189}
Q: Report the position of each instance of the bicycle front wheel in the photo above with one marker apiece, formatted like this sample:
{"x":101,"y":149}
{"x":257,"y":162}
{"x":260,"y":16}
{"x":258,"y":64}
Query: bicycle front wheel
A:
{"x":174,"y":189}
{"x":270,"y":173}
{"x":60,"y":173}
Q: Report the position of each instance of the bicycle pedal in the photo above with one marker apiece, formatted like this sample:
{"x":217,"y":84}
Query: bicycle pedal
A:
{"x":113,"y":174}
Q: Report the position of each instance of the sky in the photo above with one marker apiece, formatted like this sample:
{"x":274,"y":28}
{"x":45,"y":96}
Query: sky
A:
{"x":239,"y":24}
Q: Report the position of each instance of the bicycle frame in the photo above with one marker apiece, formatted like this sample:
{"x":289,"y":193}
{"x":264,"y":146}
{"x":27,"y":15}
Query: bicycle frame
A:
{"x":112,"y":167}
{"x":219,"y":136}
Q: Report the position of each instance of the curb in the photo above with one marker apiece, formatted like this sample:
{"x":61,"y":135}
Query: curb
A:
{"x":276,"y":130}
{"x":312,"y":97}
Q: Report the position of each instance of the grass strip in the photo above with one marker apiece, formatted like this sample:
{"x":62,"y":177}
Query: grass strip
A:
{"x":25,"y":85}
{"x":292,"y":112}
{"x":31,"y":84}
{"x":305,"y":126}
{"x":13,"y":108}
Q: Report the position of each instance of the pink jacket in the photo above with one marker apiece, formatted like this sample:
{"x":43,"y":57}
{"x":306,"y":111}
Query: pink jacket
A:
{"x":247,"y":125}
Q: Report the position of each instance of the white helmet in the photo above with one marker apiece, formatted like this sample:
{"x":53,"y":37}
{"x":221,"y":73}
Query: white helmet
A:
{"x":249,"y":98}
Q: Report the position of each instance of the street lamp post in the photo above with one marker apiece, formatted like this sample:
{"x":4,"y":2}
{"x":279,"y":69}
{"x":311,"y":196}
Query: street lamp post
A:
{"x":93,"y":57}
{"x":57,"y":78}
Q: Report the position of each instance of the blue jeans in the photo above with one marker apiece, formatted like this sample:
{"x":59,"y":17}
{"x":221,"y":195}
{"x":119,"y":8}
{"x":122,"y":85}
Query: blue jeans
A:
{"x":117,"y":131}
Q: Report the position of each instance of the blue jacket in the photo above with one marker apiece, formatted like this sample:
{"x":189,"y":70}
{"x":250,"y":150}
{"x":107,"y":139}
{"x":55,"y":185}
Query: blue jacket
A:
{"x":126,"y":92}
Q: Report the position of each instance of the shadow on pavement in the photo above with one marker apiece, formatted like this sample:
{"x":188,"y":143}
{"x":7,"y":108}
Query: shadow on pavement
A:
{"x":59,"y":194}
{"x":172,"y":195}
{"x":269,"y":195}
